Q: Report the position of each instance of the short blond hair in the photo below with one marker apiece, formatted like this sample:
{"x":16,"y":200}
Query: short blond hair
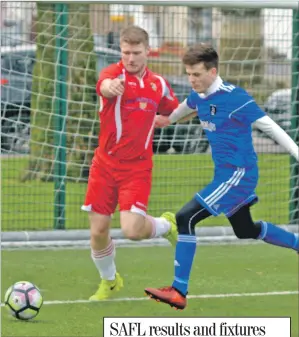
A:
{"x":134,"y":35}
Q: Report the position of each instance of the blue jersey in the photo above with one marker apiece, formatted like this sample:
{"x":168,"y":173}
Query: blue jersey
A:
{"x":226,"y":116}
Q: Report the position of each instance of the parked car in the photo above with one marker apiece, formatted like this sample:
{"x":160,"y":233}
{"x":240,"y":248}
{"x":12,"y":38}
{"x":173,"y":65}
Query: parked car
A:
{"x":16,"y":81}
{"x":279,"y":107}
{"x":11,"y":32}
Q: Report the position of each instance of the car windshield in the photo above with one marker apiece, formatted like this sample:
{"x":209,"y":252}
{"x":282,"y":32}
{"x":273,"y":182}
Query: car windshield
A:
{"x":279,"y":102}
{"x":22,"y":64}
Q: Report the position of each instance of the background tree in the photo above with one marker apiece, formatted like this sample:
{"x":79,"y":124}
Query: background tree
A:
{"x":81,"y":115}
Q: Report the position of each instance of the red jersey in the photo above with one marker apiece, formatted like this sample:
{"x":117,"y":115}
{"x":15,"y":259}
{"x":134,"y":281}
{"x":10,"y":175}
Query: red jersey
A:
{"x":127,"y":121}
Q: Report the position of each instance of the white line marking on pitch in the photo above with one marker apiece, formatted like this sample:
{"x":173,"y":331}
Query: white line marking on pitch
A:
{"x":128,"y":299}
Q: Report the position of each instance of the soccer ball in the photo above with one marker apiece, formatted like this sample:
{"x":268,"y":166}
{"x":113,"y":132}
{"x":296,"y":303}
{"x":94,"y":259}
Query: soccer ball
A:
{"x":23,"y":300}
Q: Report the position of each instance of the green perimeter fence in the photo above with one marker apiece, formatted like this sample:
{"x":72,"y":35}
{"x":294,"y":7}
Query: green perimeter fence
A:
{"x":49,"y":110}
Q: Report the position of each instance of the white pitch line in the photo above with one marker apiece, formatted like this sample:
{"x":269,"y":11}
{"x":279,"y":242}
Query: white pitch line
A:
{"x":203,"y":296}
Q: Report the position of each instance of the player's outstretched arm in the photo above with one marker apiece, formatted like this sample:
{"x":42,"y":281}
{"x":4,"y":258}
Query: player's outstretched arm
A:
{"x":267,"y":125}
{"x":182,"y":112}
{"x":188,"y":117}
{"x":112,"y":87}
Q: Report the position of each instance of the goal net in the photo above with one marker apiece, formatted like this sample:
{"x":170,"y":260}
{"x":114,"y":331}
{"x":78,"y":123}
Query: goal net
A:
{"x":51,"y":55}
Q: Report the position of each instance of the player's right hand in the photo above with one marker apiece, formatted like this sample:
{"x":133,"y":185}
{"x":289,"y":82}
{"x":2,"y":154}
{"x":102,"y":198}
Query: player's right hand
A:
{"x":161,"y":121}
{"x":116,"y":87}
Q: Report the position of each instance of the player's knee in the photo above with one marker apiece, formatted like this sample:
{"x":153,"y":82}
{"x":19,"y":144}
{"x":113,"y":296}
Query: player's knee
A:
{"x":189,"y":216}
{"x":186,"y":222}
{"x":183,"y":223}
{"x":98,"y":232}
{"x":99,"y":226}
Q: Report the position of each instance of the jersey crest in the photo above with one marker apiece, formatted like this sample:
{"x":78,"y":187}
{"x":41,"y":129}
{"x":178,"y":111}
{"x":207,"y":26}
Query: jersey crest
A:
{"x":213,"y":109}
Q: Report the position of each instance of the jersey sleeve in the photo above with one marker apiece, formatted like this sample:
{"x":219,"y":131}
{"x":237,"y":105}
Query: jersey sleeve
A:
{"x":191,"y":100}
{"x":169,"y":101}
{"x":243,"y":108}
{"x":110,"y":72}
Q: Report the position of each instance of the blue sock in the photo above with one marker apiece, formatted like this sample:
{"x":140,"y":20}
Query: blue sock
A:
{"x":184,"y":254}
{"x":278,"y":236}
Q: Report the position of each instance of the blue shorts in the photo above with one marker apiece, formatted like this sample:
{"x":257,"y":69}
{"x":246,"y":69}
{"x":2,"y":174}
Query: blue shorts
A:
{"x":231,"y":189}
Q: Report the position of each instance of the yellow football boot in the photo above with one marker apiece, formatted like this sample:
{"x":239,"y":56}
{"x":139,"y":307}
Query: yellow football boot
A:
{"x":108,"y":289}
{"x":172,"y":234}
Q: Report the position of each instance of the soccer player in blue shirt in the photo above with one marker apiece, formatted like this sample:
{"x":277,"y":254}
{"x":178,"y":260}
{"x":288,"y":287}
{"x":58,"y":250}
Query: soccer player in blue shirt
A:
{"x":227,"y":113}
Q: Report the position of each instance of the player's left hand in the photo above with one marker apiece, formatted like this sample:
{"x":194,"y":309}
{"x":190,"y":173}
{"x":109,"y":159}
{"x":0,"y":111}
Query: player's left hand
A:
{"x":161,"y":121}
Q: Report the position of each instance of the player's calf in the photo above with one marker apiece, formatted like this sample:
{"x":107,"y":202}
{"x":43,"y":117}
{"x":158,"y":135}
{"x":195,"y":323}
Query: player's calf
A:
{"x":245,"y":228}
{"x":102,"y":247}
{"x":139,"y":227}
{"x":247,"y":231}
{"x":134,"y":226}
{"x":278,"y":236}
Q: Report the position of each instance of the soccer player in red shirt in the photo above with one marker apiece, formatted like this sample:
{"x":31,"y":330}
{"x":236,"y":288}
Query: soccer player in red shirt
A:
{"x":121,"y":170}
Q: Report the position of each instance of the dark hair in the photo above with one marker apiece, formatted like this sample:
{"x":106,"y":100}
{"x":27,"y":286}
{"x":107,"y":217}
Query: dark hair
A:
{"x":204,"y":53}
{"x":134,"y":35}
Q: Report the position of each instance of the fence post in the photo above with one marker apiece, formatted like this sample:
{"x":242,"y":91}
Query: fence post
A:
{"x":61,"y":13}
{"x":294,"y":188}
